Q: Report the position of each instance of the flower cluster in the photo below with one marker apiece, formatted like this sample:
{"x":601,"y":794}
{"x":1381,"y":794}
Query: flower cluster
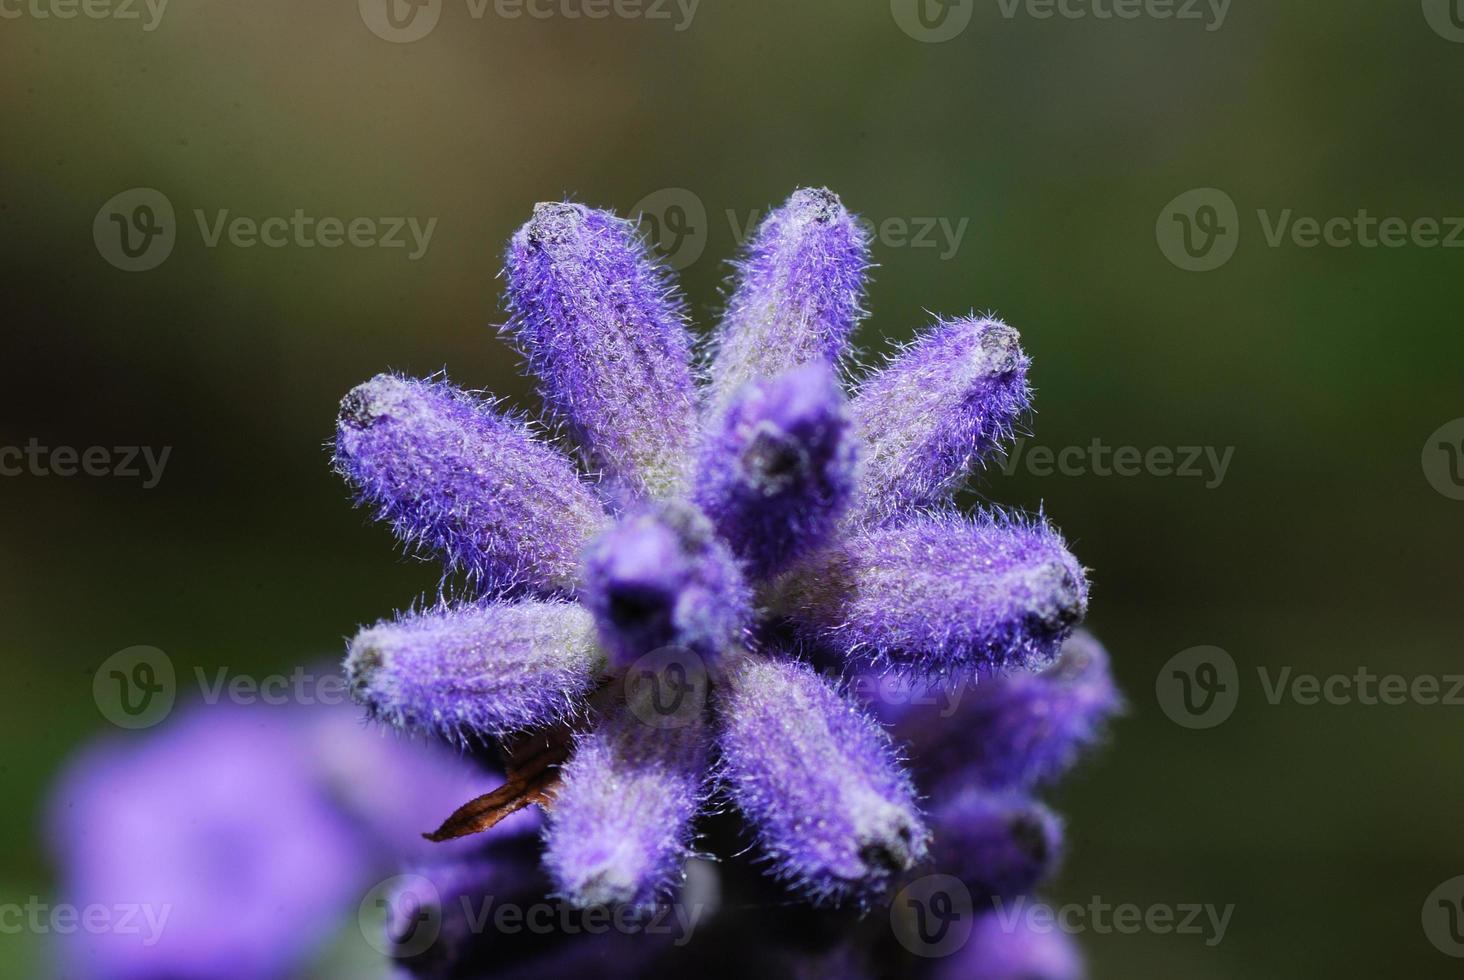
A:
{"x":658,"y":623}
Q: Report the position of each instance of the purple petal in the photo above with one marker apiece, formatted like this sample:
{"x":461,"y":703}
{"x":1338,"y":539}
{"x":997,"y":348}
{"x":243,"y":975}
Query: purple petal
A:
{"x":1009,"y":944}
{"x":1000,"y":846}
{"x":943,"y":592}
{"x":1017,"y":731}
{"x":934,"y":411}
{"x":476,"y":672}
{"x":619,"y":829}
{"x":601,"y":327}
{"x":779,"y":469}
{"x":455,"y":478}
{"x":662,"y":578}
{"x":799,"y":293}
{"x":818,"y":780}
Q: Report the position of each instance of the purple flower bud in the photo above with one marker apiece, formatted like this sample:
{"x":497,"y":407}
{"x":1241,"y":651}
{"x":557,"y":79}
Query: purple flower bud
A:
{"x":455,"y":478}
{"x":476,"y":672}
{"x":942,"y":592}
{"x":602,"y":328}
{"x":779,"y":468}
{"x":1000,"y":846}
{"x":799,"y":293}
{"x":818,"y":780}
{"x":1008,"y":945}
{"x":935,"y":410}
{"x":1018,"y":731}
{"x":660,"y":578}
{"x":619,"y":828}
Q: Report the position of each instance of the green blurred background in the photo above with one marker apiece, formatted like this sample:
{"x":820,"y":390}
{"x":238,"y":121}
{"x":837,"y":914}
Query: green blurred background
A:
{"x":1060,"y":141}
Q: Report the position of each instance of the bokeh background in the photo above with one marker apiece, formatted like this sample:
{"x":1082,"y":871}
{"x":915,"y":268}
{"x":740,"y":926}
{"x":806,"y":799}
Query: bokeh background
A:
{"x":1059,"y":142}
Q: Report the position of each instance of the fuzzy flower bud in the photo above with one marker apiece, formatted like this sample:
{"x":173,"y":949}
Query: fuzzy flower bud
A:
{"x":942,"y":592}
{"x":455,"y":478}
{"x":779,"y":468}
{"x":662,"y":578}
{"x":481,"y":671}
{"x":1000,"y":846}
{"x":818,"y":781}
{"x":1022,"y":730}
{"x":620,"y":825}
{"x":799,"y":293}
{"x":935,"y":410}
{"x":601,"y":327}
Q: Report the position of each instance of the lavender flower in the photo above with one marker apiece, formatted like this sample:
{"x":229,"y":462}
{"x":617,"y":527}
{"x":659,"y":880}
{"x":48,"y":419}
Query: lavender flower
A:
{"x":1000,"y":846}
{"x":1008,"y":945}
{"x":942,"y":592}
{"x":245,"y":837}
{"x":1022,"y":730}
{"x":720,"y":558}
{"x":778,"y":470}
{"x":605,"y":334}
{"x":946,"y":401}
{"x":799,"y":294}
{"x":456,"y":479}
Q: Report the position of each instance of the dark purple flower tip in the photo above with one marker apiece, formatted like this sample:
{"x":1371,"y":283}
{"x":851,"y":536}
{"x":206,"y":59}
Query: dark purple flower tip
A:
{"x":457,"y":479}
{"x":662,"y":578}
{"x":799,"y":293}
{"x":935,"y":410}
{"x":942,"y":592}
{"x":603,"y":330}
{"x":1000,"y":846}
{"x":478,"y":672}
{"x":1017,"y":731}
{"x":619,"y":830}
{"x":1012,"y":944}
{"x":818,"y":780}
{"x":778,"y":470}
